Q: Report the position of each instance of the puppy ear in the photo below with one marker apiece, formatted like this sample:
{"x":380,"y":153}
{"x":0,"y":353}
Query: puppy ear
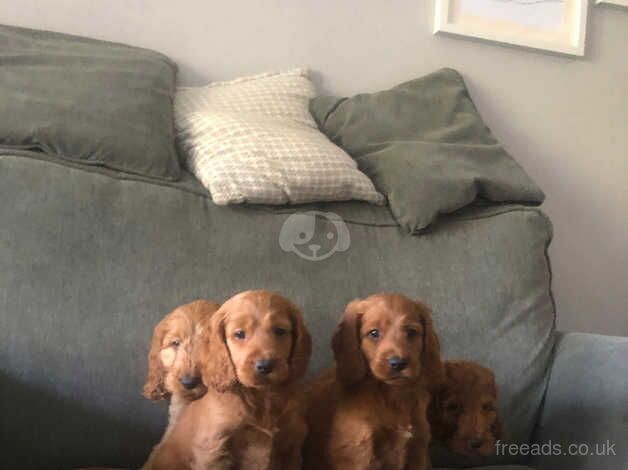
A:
{"x":497,"y":429}
{"x":213,"y":353}
{"x":350,"y":363}
{"x":301,"y":345}
{"x":498,"y":426}
{"x":431,"y":362}
{"x":155,"y":387}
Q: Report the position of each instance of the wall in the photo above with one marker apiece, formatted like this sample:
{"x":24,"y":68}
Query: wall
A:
{"x":564,"y":119}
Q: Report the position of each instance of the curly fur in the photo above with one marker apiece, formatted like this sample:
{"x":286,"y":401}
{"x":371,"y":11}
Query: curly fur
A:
{"x":463,"y":413}
{"x":247,"y":420}
{"x":365,"y":414}
{"x":171,"y":357}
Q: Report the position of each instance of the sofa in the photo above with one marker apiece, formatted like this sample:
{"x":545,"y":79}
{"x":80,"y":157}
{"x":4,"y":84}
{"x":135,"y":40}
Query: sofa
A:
{"x":91,"y":259}
{"x":103,"y":231}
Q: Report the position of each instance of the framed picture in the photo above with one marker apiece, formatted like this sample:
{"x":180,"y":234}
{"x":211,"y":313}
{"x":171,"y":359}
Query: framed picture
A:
{"x":623,"y":3}
{"x":553,"y":25}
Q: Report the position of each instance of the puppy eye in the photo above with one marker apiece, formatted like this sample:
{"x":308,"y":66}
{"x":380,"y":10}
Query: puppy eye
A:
{"x":175,"y":343}
{"x":374,"y":334}
{"x":239,"y":334}
{"x":280,"y":331}
{"x":411,"y":332}
{"x":488,"y":406}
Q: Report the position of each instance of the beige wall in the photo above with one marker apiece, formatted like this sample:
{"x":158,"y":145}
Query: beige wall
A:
{"x":564,"y":119}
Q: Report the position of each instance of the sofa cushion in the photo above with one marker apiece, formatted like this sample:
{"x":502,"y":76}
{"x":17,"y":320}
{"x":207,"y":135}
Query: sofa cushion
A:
{"x":426,"y":147}
{"x":89,"y":101}
{"x":253,"y":140}
{"x":90,"y":263}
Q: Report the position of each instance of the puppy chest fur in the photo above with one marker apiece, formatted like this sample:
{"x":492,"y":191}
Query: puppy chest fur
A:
{"x":374,"y":430}
{"x":257,"y":431}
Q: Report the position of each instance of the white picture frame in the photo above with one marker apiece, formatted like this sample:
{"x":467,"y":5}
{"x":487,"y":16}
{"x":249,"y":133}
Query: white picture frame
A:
{"x":623,"y":3}
{"x":552,"y":25}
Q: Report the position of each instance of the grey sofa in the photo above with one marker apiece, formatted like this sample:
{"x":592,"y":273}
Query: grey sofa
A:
{"x":91,"y":260}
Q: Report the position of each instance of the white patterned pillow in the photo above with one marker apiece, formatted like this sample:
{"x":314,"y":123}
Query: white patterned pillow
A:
{"x":253,"y":140}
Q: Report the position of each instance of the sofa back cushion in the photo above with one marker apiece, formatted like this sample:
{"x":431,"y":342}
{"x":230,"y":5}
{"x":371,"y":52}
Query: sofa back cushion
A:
{"x":88,"y":101}
{"x":91,"y":263}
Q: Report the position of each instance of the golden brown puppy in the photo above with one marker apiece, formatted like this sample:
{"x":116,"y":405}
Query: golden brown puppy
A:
{"x":172,"y":371}
{"x":371,"y":412}
{"x":463,"y":412}
{"x":253,"y":352}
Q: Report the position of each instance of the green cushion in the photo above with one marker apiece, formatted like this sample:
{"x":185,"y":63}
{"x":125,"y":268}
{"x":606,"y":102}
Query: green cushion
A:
{"x":426,"y":147}
{"x":90,"y":101}
{"x":89,"y":264}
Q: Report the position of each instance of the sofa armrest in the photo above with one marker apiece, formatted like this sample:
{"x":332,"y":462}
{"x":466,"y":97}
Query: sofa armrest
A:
{"x":584,"y":420}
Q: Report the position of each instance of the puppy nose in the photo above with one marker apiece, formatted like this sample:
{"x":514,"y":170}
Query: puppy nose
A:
{"x":397,"y":363}
{"x":475,"y":443}
{"x":189,"y":381}
{"x":264,"y":366}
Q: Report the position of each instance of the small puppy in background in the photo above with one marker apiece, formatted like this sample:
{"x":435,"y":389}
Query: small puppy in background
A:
{"x":371,"y":411}
{"x":252,"y":353}
{"x":172,"y":371}
{"x":463,"y":413}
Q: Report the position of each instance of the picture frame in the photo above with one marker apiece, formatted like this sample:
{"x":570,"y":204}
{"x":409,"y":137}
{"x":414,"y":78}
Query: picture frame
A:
{"x":623,"y":3}
{"x":551,"y":25}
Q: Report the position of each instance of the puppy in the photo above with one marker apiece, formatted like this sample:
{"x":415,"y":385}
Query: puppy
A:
{"x":252,"y":353}
{"x":172,"y":372}
{"x":371,"y":411}
{"x":463,"y":413}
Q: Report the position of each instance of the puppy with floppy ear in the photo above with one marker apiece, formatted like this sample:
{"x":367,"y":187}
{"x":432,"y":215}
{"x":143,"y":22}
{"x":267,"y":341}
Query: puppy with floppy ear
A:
{"x":371,"y":410}
{"x":172,"y":371}
{"x":463,"y":413}
{"x":252,"y":353}
{"x":351,"y":364}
